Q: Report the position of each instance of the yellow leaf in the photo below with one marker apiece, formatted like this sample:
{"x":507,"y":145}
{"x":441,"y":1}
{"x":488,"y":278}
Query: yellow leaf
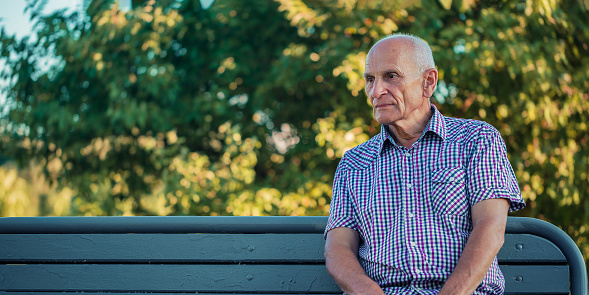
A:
{"x":410,"y":3}
{"x":446,"y":4}
{"x":466,"y":5}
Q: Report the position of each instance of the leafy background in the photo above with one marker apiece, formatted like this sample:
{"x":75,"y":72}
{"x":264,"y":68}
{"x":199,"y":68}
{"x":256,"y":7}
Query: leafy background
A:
{"x":245,"y":107}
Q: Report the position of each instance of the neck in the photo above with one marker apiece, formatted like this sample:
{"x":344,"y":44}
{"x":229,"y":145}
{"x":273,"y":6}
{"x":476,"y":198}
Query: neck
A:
{"x":407,"y":132}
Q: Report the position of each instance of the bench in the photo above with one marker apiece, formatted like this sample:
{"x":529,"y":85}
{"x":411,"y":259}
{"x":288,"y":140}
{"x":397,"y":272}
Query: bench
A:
{"x":231,"y":255}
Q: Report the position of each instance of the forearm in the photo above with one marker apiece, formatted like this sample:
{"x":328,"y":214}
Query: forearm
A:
{"x":481,"y":248}
{"x":342,"y":264}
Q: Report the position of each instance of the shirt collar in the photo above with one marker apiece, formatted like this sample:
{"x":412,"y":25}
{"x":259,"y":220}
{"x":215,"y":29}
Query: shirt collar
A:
{"x":436,"y":125}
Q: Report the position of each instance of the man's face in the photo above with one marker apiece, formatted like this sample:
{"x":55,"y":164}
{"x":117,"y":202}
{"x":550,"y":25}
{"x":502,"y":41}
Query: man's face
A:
{"x":393,"y":85}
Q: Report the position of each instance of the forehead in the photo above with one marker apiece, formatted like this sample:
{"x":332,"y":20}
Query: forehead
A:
{"x":389,"y":54}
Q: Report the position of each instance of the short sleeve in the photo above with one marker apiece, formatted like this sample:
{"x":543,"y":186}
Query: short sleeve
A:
{"x":341,"y":212}
{"x":489,"y":173}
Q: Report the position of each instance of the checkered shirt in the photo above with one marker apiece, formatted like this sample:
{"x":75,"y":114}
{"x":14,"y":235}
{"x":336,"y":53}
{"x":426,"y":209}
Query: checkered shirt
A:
{"x":411,"y":207}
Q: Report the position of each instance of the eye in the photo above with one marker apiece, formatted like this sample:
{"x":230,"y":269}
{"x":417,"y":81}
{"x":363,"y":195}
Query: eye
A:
{"x":391,"y":75}
{"x":369,"y":79}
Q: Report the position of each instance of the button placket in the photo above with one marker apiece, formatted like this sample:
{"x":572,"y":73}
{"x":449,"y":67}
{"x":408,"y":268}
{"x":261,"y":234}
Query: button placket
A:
{"x":407,"y":204}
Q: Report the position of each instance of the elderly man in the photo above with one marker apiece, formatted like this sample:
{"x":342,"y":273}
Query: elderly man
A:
{"x":421,"y":207}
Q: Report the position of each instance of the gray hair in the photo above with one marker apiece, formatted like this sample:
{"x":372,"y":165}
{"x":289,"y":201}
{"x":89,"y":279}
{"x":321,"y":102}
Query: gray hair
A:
{"x":423,"y":57}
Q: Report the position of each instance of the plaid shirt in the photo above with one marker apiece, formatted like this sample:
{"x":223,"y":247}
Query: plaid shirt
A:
{"x":411,"y":207}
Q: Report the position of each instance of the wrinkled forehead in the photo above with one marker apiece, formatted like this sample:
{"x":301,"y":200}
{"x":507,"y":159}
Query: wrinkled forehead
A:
{"x":390,"y":54}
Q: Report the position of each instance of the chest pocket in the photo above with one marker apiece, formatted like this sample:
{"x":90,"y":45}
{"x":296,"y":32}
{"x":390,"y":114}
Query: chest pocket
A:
{"x":448,"y":191}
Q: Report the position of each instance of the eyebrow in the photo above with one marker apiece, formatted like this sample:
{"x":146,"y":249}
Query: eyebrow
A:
{"x":367,"y":74}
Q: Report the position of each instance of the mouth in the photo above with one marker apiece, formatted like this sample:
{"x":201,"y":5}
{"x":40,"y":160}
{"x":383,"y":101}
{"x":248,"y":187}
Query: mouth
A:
{"x":383,"y":105}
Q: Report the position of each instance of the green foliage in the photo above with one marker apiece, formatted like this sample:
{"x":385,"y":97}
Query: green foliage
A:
{"x":246,"y":107}
{"x":28,"y":194}
{"x":527,"y":69}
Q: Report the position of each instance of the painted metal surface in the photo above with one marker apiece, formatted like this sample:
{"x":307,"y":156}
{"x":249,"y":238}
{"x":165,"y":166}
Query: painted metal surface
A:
{"x":530,"y":249}
{"x":232,"y":254}
{"x":163,"y":224}
{"x":536,"y":279}
{"x":167,"y":278}
{"x":215,"y":248}
{"x":578,"y":270}
{"x":222,"y":278}
{"x":162,"y":248}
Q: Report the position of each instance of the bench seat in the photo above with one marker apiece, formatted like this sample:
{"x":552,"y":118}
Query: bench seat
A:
{"x":229,"y":255}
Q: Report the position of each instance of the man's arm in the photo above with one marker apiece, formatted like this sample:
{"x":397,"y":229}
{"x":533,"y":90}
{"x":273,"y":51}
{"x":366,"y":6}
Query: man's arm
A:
{"x":489,"y":218}
{"x":341,"y":260}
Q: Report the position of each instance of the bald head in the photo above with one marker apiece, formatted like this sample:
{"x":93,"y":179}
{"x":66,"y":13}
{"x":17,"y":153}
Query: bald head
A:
{"x":421,"y":58}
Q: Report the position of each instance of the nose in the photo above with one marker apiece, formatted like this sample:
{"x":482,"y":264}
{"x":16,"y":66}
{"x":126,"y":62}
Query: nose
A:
{"x":377,"y":89}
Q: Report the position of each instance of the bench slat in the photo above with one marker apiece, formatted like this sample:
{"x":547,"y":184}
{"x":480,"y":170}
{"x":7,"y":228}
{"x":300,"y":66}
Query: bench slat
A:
{"x":167,"y":278}
{"x":163,"y":248}
{"x":206,"y":248}
{"x":158,"y":293}
{"x":520,"y":279}
{"x":536,"y":279}
{"x":529,"y":249}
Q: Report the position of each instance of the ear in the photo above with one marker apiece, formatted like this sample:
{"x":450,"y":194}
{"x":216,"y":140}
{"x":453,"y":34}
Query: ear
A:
{"x":429,"y":82}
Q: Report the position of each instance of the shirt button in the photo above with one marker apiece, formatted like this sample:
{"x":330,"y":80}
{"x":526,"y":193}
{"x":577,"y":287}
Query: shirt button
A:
{"x":413,"y":244}
{"x":407,"y":154}
{"x":409,"y":185}
{"x":418,"y":271}
{"x":410,"y":215}
{"x":452,"y":178}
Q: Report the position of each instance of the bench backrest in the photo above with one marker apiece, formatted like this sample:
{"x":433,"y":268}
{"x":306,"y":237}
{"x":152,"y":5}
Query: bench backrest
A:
{"x":272,"y":255}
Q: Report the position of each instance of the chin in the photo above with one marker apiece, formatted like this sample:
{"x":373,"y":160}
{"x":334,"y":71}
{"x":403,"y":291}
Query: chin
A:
{"x":386,"y":120}
{"x":387,"y":117}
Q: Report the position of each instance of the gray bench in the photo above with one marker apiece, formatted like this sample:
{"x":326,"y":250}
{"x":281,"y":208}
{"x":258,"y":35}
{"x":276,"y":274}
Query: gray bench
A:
{"x":231,"y":255}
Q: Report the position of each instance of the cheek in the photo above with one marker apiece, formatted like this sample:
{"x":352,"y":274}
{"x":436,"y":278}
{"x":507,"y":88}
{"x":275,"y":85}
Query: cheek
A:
{"x":409,"y":92}
{"x":367,"y":92}
{"x":417,"y":89}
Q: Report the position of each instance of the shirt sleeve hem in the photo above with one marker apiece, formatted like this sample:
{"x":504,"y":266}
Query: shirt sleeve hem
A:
{"x":339,"y":222}
{"x":516,"y":201}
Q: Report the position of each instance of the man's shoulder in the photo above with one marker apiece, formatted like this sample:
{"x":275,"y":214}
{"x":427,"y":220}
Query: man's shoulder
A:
{"x":362,"y":155}
{"x":468,"y":128}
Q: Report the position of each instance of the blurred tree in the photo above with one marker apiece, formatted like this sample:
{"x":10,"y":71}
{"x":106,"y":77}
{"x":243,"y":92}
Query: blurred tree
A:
{"x":246,"y":107}
{"x":524,"y":67}
{"x":27,"y":193}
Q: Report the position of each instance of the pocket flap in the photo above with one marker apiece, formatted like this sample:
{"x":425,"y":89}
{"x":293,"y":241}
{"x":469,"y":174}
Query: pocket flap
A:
{"x":451,"y":174}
